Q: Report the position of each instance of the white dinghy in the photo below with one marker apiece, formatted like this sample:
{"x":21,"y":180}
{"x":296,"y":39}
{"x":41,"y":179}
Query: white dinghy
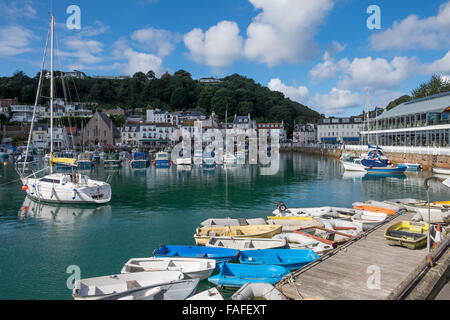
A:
{"x":177,"y":290}
{"x":253,"y":291}
{"x":299,"y":241}
{"x":368,"y":220}
{"x":232,"y":222}
{"x":439,"y":213}
{"x":283,"y":211}
{"x":210,"y":294}
{"x":99,"y":287}
{"x":246,"y":243}
{"x":190,"y":267}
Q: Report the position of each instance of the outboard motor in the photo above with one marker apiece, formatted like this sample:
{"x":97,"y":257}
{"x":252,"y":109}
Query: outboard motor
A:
{"x":281,"y":207}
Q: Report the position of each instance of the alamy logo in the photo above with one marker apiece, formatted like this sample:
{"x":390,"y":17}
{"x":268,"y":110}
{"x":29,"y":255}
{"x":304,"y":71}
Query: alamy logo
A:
{"x":74,"y":20}
{"x":374,"y":280}
{"x":374,"y":21}
{"x":75,"y":275}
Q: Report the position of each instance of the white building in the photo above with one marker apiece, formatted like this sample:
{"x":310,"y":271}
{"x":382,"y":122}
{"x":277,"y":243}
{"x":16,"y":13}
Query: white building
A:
{"x":22,"y":113}
{"x":61,"y":139}
{"x":156,"y":133}
{"x":130,"y":134}
{"x":244,"y":122}
{"x":158,"y":116}
{"x":339,"y":130}
{"x":304,"y":134}
{"x":274,"y":126}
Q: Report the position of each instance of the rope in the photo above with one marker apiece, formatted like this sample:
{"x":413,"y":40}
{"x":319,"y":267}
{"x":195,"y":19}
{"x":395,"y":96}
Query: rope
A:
{"x":3,"y":184}
{"x":292,"y":282}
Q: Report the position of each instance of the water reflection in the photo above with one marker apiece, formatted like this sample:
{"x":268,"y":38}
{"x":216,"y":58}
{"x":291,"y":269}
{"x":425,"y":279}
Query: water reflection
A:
{"x":60,"y":213}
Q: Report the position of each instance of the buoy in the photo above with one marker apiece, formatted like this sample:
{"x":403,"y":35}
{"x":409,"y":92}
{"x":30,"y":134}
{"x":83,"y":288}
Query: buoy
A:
{"x":24,"y":188}
{"x":5,"y":163}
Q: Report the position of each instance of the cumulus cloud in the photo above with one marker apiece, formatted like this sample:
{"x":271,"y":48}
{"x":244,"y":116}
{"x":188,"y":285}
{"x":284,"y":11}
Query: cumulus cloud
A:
{"x":85,"y":51}
{"x":284,"y":30}
{"x":163,"y":42}
{"x":219,"y":46}
{"x":329,"y":68}
{"x":295,"y":94}
{"x":336,"y":100}
{"x":15,"y":40}
{"x":412,"y":32}
{"x":438,"y":66}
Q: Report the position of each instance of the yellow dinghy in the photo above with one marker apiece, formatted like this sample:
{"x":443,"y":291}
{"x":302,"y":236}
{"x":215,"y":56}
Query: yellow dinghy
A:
{"x":441,"y":202}
{"x":408,"y":234}
{"x":202,"y":235}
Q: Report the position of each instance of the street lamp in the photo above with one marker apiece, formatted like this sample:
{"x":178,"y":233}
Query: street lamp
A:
{"x":445,"y":182}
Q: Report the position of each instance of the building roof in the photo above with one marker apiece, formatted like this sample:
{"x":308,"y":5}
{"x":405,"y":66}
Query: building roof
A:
{"x":436,"y":103}
{"x":241,"y":119}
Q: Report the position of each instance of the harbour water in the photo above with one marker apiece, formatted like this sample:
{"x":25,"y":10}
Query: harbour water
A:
{"x":164,"y":206}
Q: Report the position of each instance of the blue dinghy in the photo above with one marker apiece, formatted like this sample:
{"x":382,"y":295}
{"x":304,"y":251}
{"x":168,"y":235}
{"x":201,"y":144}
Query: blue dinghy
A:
{"x":236,"y":275}
{"x":288,"y":258}
{"x":218,"y":254}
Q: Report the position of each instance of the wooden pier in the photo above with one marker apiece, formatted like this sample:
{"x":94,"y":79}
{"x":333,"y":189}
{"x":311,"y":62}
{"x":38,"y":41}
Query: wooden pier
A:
{"x":365,"y":269}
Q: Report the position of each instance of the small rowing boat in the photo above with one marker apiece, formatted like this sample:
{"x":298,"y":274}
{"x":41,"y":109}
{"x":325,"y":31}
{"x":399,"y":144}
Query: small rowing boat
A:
{"x":290,"y":259}
{"x":236,"y":275}
{"x":412,"y":235}
{"x":191,"y":268}
{"x":99,"y":287}
{"x":203,"y":234}
{"x":246,"y":243}
{"x":374,"y":208}
{"x":368,"y":220}
{"x":210,"y":294}
{"x":232,"y":222}
{"x":258,"y":291}
{"x":299,"y":241}
{"x":439,"y":213}
{"x":218,"y":254}
{"x":176,"y":290}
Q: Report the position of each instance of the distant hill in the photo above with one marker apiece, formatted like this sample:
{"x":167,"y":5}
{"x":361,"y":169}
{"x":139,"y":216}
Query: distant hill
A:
{"x":238,"y":94}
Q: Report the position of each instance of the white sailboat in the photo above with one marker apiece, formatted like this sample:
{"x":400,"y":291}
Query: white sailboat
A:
{"x":61,"y":187}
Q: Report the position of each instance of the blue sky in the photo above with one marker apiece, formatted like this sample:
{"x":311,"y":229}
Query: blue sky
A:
{"x":319,"y":53}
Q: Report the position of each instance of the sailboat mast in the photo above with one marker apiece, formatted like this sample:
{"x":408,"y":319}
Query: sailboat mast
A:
{"x":51,"y":86}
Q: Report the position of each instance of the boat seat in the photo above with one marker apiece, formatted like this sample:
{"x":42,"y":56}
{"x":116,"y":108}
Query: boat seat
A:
{"x":242,"y":222}
{"x":133,"y":284}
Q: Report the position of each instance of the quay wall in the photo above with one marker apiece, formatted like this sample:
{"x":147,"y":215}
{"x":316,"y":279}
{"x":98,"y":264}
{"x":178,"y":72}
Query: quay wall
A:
{"x":426,"y":160}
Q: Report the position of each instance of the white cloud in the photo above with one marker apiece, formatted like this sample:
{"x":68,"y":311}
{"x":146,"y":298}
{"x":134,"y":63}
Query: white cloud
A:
{"x":284,"y":30}
{"x":295,"y":94}
{"x":439,"y":66}
{"x":412,"y":33}
{"x":15,"y":40}
{"x":161,"y":41}
{"x":329,"y":68}
{"x":219,"y":46}
{"x":336,"y":100}
{"x":85,"y":51}
{"x":139,"y":61}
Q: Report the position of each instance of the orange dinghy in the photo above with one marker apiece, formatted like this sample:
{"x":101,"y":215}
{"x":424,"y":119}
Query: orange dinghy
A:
{"x":389,"y":212}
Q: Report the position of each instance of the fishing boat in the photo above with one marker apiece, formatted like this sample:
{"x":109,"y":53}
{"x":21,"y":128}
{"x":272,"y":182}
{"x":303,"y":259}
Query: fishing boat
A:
{"x":175,"y":290}
{"x":191,"y":268}
{"x":368,"y":220}
{"x":139,"y":160}
{"x":112,"y":161}
{"x":236,"y":275}
{"x":203,"y":234}
{"x":162,"y":160}
{"x":245,"y":243}
{"x":218,"y":254}
{"x":84,"y":161}
{"x":258,"y":291}
{"x":412,"y":235}
{"x":232,"y":222}
{"x":210,"y":294}
{"x":374,"y":158}
{"x":410,"y":166}
{"x":99,"y":287}
{"x":352,"y":164}
{"x":441,"y":171}
{"x":290,"y":259}
{"x":385,"y":170}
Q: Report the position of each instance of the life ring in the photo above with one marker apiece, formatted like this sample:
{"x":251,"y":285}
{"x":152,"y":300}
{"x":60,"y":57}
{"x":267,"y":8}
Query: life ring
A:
{"x":282,"y":207}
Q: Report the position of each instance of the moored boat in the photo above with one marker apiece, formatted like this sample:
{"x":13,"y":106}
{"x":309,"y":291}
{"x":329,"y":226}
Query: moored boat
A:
{"x":374,"y":208}
{"x":191,"y":268}
{"x":175,"y":290}
{"x":112,"y":161}
{"x":288,"y":258}
{"x":218,"y":254}
{"x":441,"y":171}
{"x":139,"y":160}
{"x":99,"y":287}
{"x":385,"y":170}
{"x":162,"y":160}
{"x":236,"y":275}
{"x":299,"y":241}
{"x":368,"y":220}
{"x":412,"y":235}
{"x":258,"y":291}
{"x":232,"y":222}
{"x":203,"y":234}
{"x":210,"y":294}
{"x":410,"y":166}
{"x":246,"y":243}
{"x":84,"y":161}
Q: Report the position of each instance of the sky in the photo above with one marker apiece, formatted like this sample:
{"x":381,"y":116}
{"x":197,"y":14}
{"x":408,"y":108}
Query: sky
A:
{"x":320,"y":53}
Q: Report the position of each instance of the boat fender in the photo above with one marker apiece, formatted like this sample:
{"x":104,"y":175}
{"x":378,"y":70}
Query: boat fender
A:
{"x":74,"y":194}
{"x":34,"y":188}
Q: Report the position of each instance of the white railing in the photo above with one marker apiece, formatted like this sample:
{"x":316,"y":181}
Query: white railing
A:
{"x":436,"y":151}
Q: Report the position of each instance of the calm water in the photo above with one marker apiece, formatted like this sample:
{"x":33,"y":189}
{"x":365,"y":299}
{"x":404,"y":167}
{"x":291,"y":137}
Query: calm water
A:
{"x":155,"y":206}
